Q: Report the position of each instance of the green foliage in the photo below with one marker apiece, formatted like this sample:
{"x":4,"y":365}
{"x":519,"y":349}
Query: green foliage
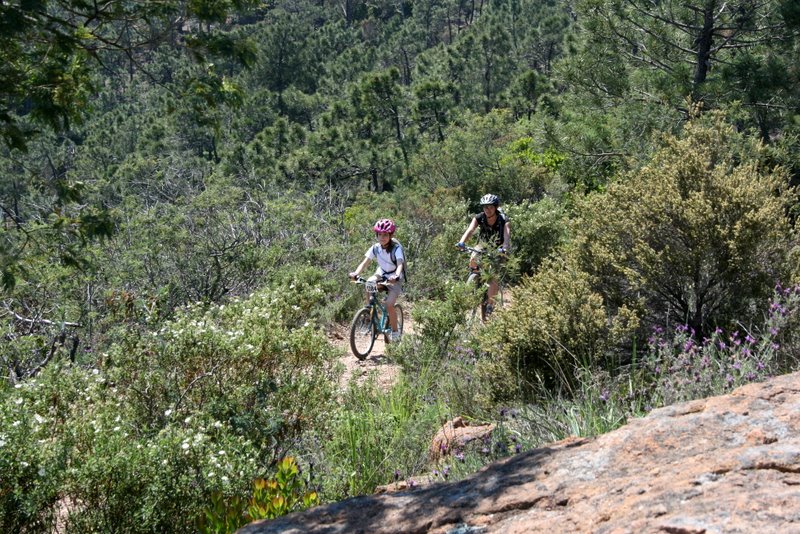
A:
{"x":699,"y":235}
{"x":270,"y":499}
{"x":440,"y":321}
{"x":537,"y":229}
{"x":554,"y":325}
{"x":242,"y":362}
{"x":132,"y":483}
{"x":197,"y":407}
{"x":377,"y":434}
{"x":489,"y":153}
{"x":31,"y":463}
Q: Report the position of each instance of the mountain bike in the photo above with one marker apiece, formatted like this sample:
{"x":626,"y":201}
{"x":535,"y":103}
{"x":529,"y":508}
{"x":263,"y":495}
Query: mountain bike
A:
{"x":372,"y":320}
{"x":477,"y":280}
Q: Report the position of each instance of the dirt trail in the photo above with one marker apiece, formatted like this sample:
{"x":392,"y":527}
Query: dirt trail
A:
{"x":376,"y":363}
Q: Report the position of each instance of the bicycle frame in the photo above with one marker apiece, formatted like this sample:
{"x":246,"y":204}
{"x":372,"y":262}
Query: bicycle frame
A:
{"x":372,"y":320}
{"x":476,"y":276}
{"x":494,"y":258}
{"x":376,"y":305}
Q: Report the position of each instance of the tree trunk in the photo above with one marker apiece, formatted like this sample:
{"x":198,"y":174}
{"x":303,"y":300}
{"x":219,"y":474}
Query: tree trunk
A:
{"x":703,"y":43}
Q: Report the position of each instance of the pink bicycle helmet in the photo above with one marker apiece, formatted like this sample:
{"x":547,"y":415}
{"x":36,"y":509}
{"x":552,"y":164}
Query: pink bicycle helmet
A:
{"x":386,"y":226}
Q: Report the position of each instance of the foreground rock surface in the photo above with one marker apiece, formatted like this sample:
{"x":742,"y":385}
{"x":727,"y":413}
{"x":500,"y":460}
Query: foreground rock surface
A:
{"x":723,"y":464}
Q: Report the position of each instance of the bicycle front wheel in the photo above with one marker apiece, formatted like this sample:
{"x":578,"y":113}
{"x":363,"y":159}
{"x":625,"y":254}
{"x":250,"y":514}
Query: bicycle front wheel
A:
{"x":362,"y":334}
{"x":474,"y":280}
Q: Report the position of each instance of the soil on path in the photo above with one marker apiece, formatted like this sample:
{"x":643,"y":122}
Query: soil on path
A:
{"x":386,"y":372}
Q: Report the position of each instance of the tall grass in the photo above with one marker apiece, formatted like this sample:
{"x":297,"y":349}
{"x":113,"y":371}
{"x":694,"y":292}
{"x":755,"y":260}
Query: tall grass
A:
{"x":675,"y":366}
{"x":378,"y":436}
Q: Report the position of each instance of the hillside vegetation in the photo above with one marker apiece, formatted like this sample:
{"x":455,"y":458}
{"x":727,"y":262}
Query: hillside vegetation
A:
{"x":185,"y":186}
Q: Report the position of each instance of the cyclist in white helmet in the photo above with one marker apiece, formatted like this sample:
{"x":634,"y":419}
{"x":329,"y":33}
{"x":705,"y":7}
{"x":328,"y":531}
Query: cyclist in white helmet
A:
{"x":388,"y":252}
{"x":494,"y":230}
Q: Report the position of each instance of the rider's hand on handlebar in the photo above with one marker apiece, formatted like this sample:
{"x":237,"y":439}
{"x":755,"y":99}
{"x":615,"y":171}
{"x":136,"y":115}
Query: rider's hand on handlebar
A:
{"x":502,"y":250}
{"x":461,"y":245}
{"x":392,"y":278}
{"x":353,"y":275}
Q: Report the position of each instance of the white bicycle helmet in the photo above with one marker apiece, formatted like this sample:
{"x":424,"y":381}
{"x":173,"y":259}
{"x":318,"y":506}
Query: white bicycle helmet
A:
{"x":490,"y":199}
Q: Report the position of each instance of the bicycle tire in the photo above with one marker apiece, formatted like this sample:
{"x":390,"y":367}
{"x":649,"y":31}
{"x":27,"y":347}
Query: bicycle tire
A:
{"x":399,"y":311}
{"x":362,"y":334}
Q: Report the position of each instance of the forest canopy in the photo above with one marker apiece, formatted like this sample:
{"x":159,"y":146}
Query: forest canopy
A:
{"x":184,"y":187}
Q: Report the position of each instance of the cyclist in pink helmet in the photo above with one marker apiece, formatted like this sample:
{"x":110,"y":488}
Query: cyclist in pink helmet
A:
{"x":388,"y":252}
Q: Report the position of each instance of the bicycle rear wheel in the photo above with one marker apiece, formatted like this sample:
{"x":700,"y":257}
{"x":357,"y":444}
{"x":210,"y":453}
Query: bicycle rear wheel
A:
{"x":362,"y":334}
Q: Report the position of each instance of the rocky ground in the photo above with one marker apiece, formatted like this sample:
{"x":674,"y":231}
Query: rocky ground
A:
{"x":723,"y":464}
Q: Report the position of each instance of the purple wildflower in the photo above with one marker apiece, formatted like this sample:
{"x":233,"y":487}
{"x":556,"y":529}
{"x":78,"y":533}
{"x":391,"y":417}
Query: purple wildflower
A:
{"x":729,"y":379}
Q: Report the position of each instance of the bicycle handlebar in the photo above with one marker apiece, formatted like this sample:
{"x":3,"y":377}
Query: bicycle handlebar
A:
{"x":360,"y":280}
{"x":487,"y":251}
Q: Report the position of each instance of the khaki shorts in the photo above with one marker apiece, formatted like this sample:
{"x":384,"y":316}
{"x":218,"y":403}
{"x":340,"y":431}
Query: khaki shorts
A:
{"x":395,"y":288}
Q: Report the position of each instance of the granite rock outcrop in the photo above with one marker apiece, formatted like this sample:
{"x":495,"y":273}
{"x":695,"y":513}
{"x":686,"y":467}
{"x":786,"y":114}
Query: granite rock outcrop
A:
{"x":722,"y":464}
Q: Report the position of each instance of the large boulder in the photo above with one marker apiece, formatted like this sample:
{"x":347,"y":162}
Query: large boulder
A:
{"x":723,"y":464}
{"x":455,"y":435}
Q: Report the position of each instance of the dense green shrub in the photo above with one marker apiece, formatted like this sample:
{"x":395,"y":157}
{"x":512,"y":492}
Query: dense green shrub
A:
{"x":537,"y":229}
{"x":248,"y":361}
{"x":554,"y":324}
{"x":122,"y":481}
{"x":140,"y":443}
{"x":31,"y":463}
{"x":699,"y":235}
{"x":489,"y":153}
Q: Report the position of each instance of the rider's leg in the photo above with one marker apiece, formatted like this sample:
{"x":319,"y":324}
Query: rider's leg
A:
{"x":392,"y":317}
{"x":494,"y":288}
{"x":391,"y":298}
